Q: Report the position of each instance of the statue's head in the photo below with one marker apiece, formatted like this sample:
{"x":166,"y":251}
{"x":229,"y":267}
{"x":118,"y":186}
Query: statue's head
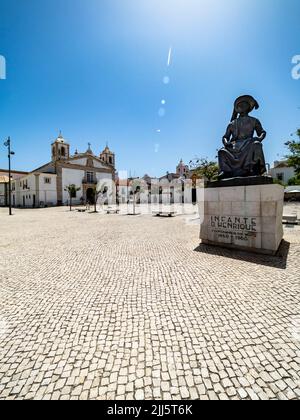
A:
{"x":244,"y":105}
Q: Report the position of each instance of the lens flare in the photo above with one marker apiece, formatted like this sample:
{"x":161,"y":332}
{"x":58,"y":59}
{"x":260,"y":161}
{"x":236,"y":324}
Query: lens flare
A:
{"x":169,"y":57}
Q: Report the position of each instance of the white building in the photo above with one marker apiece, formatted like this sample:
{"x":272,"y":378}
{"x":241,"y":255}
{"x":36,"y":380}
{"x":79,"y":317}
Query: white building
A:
{"x":282,"y":172}
{"x":4,"y":184}
{"x":182,"y":187}
{"x":3,"y":190}
{"x":46,"y":186}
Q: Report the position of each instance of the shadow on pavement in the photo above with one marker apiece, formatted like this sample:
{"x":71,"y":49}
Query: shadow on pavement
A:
{"x":277,"y":261}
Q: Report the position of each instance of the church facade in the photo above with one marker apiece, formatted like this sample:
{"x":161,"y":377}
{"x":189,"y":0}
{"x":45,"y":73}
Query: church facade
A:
{"x":46,"y":186}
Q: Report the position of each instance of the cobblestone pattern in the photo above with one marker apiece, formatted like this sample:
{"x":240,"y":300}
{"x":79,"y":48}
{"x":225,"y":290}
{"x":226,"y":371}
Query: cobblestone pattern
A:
{"x":116,"y":307}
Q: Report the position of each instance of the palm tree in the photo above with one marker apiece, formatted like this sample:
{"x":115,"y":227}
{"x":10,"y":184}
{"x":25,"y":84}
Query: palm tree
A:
{"x":71,"y":190}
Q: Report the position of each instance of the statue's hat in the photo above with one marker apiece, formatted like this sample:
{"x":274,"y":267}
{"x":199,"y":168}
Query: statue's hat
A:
{"x":245,"y":98}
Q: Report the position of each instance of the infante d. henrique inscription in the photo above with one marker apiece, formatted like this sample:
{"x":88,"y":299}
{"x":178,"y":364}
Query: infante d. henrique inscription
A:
{"x":235,"y":223}
{"x":237,"y":228}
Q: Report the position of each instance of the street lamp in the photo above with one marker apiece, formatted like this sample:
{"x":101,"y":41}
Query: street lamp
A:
{"x":10,"y":153}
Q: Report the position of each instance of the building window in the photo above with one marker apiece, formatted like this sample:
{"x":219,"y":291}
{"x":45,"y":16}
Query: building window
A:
{"x":110,"y":160}
{"x":47,"y":180}
{"x":280,"y":177}
{"x":90,"y":177}
{"x":63,"y":151}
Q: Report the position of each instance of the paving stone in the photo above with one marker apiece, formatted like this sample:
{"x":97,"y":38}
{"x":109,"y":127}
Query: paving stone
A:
{"x":139,"y":395}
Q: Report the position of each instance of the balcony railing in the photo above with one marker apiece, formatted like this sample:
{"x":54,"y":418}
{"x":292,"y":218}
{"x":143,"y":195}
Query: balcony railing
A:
{"x":90,"y":181}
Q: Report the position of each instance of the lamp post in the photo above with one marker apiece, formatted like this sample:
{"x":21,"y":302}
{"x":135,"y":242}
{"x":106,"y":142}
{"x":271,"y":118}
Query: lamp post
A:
{"x":10,"y":153}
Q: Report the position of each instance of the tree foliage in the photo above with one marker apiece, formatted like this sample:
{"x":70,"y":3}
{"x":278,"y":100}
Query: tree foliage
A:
{"x":293,"y":157}
{"x":204,"y":168}
{"x":71,"y":190}
{"x":294,"y":181}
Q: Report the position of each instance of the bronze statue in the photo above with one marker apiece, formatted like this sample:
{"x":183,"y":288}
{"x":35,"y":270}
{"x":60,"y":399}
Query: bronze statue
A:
{"x":242,"y":155}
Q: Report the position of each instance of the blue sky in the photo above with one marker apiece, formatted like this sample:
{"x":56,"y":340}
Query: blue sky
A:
{"x":95,"y":69}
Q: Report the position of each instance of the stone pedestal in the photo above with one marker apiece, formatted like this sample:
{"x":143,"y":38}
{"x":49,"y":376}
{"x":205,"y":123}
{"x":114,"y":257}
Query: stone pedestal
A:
{"x":244,"y":217}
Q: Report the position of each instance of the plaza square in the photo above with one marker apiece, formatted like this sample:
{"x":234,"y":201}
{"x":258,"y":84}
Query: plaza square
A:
{"x":97,"y":306}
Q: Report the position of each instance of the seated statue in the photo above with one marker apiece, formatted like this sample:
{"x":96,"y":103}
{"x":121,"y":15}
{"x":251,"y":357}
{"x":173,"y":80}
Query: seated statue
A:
{"x":242,"y":154}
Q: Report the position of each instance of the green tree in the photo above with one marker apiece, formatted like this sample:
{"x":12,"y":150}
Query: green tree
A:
{"x":278,"y":182}
{"x":293,"y":157}
{"x":71,"y":190}
{"x":205,"y":168}
{"x":294,"y":181}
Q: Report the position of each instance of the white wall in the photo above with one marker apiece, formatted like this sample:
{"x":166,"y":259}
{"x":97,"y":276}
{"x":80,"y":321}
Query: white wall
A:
{"x":288,"y":173}
{"x":25,"y":196}
{"x":72,"y":176}
{"x":83,"y":162}
{"x":2,"y":194}
{"x":104,"y":177}
{"x":48,"y":192}
{"x":79,"y":162}
{"x":99,"y":165}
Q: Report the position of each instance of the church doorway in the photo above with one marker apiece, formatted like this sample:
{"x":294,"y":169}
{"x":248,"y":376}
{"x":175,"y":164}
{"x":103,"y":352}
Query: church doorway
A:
{"x":90,"y":196}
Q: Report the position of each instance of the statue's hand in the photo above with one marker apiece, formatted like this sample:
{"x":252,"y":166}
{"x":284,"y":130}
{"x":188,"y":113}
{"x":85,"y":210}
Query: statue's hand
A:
{"x":225,"y":142}
{"x":262,"y":136}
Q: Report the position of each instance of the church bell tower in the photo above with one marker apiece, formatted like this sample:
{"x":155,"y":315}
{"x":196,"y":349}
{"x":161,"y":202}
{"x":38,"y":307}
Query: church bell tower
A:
{"x":108,"y":157}
{"x":60,"y":149}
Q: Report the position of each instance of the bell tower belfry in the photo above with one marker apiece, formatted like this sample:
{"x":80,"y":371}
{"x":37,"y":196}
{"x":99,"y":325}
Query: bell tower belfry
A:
{"x":182,"y":169}
{"x":60,"y":149}
{"x":107,"y":156}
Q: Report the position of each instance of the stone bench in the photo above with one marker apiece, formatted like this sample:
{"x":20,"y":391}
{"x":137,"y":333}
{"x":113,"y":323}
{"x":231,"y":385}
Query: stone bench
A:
{"x":113,"y":211}
{"x":164,"y":213}
{"x":290,"y":219}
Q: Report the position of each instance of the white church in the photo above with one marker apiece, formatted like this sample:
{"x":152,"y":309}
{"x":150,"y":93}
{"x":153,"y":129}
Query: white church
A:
{"x":46,"y":185}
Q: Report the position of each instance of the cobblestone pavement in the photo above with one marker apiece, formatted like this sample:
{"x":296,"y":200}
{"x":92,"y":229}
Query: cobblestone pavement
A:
{"x":116,"y":307}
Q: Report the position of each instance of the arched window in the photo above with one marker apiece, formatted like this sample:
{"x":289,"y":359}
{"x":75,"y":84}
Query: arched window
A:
{"x":110,"y":160}
{"x":63,"y":151}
